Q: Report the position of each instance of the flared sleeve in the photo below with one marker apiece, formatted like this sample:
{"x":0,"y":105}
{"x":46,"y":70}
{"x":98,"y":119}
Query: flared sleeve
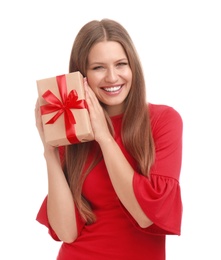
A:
{"x":160,"y":196}
{"x":42,"y":218}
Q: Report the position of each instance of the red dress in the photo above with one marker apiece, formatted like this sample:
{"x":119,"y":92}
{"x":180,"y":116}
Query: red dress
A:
{"x":115,"y":235}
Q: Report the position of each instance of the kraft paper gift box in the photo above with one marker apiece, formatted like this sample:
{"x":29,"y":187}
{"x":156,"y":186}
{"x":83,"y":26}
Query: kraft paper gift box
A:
{"x":64,"y":112}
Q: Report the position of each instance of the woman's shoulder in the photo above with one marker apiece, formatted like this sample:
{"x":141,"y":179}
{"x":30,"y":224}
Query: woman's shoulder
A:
{"x":163,"y":113}
{"x":160,"y":108}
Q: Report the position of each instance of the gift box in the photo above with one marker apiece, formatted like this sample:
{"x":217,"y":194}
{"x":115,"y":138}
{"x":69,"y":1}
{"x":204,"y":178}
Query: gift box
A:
{"x":64,"y":110}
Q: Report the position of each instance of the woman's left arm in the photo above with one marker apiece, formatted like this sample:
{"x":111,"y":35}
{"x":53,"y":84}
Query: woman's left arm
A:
{"x":120,"y":171}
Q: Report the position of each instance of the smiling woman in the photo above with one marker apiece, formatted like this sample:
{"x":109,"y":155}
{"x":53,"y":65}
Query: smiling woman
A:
{"x":118,"y":196}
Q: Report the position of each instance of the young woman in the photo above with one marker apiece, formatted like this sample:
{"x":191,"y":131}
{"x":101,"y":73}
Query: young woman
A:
{"x":116,"y":197}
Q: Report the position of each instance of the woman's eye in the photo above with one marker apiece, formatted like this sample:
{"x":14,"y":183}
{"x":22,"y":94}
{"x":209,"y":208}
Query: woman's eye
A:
{"x":97,"y":68}
{"x":122,"y":64}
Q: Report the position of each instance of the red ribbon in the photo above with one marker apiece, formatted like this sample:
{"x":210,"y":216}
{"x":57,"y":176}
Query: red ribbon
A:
{"x":67,"y":102}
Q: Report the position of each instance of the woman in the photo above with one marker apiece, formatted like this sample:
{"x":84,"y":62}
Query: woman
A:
{"x":116,"y":197}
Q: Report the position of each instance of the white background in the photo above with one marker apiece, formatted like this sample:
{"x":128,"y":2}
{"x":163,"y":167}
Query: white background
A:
{"x":179,"y":43}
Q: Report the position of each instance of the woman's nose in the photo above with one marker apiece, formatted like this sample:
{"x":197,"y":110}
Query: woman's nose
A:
{"x":111,"y":75}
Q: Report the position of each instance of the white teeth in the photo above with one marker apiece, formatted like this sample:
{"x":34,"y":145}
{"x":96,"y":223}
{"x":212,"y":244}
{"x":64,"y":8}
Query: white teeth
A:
{"x":112,"y":89}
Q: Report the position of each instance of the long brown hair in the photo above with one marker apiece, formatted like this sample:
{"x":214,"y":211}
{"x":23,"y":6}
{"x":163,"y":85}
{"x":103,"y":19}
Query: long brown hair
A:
{"x":136,"y":130}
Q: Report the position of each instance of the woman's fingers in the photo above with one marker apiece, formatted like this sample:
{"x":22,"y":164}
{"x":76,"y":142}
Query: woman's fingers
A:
{"x":91,"y":97}
{"x":97,"y":117}
{"x":37,"y":113}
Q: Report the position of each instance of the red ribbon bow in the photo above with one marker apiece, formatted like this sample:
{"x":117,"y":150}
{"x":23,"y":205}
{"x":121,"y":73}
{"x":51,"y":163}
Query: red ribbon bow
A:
{"x":67,"y":102}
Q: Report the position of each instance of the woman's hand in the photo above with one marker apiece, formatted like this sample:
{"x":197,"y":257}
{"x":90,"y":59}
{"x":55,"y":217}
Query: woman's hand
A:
{"x":97,"y":117}
{"x":39,"y":126}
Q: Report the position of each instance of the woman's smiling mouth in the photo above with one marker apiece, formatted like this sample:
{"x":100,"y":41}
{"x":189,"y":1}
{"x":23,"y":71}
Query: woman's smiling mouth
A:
{"x":112,"y":89}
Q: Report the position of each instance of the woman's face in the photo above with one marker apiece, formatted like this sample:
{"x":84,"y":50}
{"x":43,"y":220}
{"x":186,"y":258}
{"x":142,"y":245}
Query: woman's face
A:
{"x":109,"y":75}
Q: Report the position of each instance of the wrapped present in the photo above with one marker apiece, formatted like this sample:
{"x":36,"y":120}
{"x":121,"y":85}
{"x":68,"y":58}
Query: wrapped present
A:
{"x":65,"y":116}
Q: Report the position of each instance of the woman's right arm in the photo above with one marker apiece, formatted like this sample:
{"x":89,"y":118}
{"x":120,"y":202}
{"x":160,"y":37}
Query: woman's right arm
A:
{"x":60,"y":204}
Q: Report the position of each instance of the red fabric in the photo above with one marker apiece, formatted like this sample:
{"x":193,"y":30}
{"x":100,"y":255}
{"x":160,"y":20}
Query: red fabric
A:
{"x":160,"y":197}
{"x":115,"y":234}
